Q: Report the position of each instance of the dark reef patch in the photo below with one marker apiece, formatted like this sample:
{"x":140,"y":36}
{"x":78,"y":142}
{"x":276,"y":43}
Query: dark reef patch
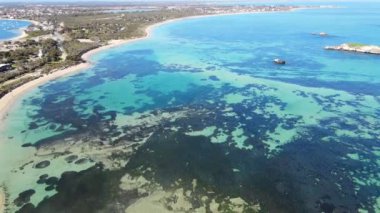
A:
{"x":42,"y":179}
{"x":24,"y":197}
{"x":81,"y":161}
{"x":51,"y":181}
{"x":71,"y":158}
{"x":27,"y":145}
{"x":88,"y":191}
{"x":50,"y":188}
{"x":293,"y":181}
{"x":42,"y":164}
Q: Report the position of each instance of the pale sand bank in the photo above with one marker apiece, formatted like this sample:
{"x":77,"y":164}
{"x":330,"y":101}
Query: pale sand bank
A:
{"x":2,"y":200}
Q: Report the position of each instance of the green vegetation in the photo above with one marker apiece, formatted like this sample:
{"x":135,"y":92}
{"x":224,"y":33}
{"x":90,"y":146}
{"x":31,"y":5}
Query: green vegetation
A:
{"x":26,"y":53}
{"x":29,"y":57}
{"x":75,"y":49}
{"x":26,"y":50}
{"x":104,"y":27}
{"x":356,"y":45}
{"x":50,"y":50}
{"x":4,"y":89}
{"x":37,"y":33}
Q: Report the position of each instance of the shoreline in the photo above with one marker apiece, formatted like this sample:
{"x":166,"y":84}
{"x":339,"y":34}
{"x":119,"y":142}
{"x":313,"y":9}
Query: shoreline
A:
{"x":7,"y":101}
{"x":22,"y":30}
{"x":20,"y":37}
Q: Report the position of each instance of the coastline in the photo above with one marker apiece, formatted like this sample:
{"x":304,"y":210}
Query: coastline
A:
{"x":7,"y":101}
{"x":17,"y":38}
{"x":22,"y":30}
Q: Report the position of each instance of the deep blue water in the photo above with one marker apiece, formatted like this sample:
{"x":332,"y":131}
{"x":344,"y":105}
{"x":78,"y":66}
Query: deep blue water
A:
{"x":11,"y":28}
{"x":201,"y":99}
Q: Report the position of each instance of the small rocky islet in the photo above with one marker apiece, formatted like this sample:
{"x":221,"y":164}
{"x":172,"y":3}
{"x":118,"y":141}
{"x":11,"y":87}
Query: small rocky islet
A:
{"x":356,"y":47}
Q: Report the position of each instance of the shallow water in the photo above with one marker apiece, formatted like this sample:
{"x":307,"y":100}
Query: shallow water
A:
{"x":11,"y":28}
{"x":201,"y":101}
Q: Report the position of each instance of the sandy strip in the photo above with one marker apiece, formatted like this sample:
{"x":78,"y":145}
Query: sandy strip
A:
{"x":2,"y":200}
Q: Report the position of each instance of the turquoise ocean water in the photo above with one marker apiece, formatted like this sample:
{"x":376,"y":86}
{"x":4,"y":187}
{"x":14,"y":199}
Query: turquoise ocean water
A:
{"x":11,"y":28}
{"x":205,"y":110}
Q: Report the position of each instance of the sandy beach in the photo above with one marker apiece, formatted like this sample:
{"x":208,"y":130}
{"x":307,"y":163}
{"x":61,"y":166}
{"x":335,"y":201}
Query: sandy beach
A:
{"x":2,"y":201}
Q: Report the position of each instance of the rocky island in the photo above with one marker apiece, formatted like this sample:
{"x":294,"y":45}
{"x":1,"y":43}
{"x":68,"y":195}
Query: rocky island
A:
{"x":356,"y":47}
{"x":322,"y":34}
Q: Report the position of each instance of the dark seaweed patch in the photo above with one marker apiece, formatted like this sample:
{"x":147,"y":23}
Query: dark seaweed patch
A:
{"x":42,"y":164}
{"x":92,"y":190}
{"x":42,"y":179}
{"x":71,"y":158}
{"x":303,"y":172}
{"x":33,"y":125}
{"x":27,"y":145}
{"x":44,"y":176}
{"x":24,"y":197}
{"x":213,"y":78}
{"x":51,"y":180}
{"x":175,"y":156}
{"x":49,"y":188}
{"x":81,"y":161}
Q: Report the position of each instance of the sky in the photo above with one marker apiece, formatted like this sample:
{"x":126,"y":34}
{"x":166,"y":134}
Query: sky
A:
{"x":230,"y":1}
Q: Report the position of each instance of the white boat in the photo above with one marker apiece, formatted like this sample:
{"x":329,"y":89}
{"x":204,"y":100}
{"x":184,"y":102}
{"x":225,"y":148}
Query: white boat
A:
{"x":279,"y":61}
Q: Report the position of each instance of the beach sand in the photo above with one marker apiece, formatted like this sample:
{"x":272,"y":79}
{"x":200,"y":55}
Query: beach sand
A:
{"x":2,"y":200}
